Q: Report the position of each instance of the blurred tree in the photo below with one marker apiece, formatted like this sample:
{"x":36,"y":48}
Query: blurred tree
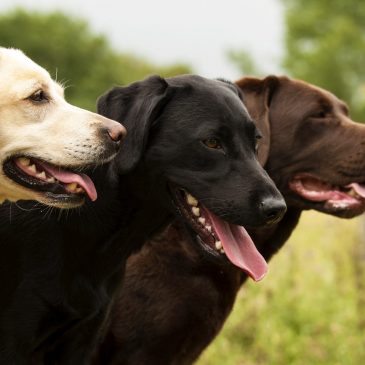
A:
{"x":325,"y":45}
{"x":244,"y":62}
{"x":69,"y":50}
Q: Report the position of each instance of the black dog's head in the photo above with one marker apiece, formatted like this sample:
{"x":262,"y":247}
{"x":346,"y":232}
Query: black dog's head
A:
{"x":194,"y":144}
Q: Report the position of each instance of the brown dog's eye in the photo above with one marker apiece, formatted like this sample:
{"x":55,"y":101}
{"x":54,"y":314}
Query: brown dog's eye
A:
{"x":257,"y":137}
{"x":38,"y":97}
{"x":320,"y":114}
{"x":212,"y":143}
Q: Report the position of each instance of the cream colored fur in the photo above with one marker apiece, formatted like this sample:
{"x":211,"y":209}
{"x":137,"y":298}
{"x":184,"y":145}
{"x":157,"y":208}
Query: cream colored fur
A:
{"x":54,"y":131}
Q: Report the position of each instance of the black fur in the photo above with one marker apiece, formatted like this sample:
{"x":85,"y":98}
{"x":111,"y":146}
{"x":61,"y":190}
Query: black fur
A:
{"x":173,"y":301}
{"x":60,"y":271}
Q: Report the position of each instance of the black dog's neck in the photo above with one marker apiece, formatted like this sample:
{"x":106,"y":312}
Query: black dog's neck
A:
{"x":93,"y":241}
{"x":77,"y":255}
{"x":144,"y":212}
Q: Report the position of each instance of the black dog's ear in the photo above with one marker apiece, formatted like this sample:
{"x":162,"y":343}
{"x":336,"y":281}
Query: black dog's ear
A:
{"x":257,"y":96}
{"x":235,"y":88}
{"x":136,"y":106}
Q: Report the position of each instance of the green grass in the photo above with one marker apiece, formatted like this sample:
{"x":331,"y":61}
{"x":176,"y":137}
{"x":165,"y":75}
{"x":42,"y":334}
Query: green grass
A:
{"x":309,"y":310}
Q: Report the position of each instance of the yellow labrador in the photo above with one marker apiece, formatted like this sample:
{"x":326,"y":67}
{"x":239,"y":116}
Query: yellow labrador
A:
{"x":43,"y":139}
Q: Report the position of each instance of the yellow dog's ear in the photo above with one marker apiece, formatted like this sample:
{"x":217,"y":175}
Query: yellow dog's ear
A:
{"x":257,"y":96}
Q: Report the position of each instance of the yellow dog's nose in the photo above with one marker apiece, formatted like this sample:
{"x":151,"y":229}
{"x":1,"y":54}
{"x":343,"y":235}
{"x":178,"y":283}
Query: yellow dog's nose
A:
{"x":116,"y":132}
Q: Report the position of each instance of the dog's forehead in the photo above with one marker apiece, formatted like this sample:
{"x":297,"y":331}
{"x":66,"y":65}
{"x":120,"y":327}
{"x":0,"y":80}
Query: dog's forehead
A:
{"x":316,"y":94}
{"x":21,"y":76}
{"x":332,"y":99}
{"x":212,"y":97}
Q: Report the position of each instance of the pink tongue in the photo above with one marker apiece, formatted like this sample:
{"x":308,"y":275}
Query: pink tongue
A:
{"x":239,"y":247}
{"x":360,"y":189}
{"x":68,"y":177}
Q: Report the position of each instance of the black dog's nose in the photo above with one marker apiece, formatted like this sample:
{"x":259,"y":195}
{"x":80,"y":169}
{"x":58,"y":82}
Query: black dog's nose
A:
{"x":272,"y":209}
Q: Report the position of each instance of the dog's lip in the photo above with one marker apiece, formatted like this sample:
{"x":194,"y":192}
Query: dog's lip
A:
{"x":188,"y":208}
{"x":349,"y":196}
{"x":229,"y":241}
{"x":54,"y":182}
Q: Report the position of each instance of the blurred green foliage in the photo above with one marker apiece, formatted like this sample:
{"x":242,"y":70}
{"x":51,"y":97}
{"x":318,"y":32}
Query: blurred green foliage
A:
{"x":244,"y":61}
{"x":307,"y":311}
{"x":72,"y":53}
{"x":311,"y":307}
{"x":325,"y":45}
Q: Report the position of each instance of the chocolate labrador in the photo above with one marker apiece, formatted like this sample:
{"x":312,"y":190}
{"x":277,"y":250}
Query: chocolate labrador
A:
{"x":174,"y":300}
{"x":189,"y":140}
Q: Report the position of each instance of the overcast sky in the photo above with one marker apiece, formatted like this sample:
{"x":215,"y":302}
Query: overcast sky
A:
{"x":198,"y":32}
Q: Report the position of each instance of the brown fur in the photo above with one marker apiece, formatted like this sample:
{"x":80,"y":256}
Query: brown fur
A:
{"x":174,"y":300}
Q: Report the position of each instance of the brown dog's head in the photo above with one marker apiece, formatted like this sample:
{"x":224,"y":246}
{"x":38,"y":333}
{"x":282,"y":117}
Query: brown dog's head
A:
{"x":311,"y":148}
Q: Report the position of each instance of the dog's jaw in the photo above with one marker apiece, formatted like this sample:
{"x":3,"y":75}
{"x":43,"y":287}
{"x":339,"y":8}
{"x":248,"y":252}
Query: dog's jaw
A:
{"x":346,"y":200}
{"x":219,"y":238}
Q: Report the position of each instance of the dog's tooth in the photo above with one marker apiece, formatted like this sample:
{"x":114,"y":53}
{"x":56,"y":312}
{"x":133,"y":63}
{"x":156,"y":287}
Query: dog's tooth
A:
{"x":221,"y":250}
{"x":191,"y":200}
{"x":202,"y":221}
{"x":196,"y":211}
{"x":218,"y":245}
{"x":24,"y":161}
{"x":209,"y":228}
{"x":41,"y":175}
{"x":51,"y":179}
{"x":352,"y":193}
{"x":80,"y":190}
{"x":71,"y":186}
{"x":33,"y":168}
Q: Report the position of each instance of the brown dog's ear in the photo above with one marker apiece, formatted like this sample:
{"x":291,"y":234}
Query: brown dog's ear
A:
{"x":257,"y":96}
{"x":137,"y":107}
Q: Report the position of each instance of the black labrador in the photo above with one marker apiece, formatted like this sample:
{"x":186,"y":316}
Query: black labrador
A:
{"x":174,"y":302}
{"x":189,"y":139}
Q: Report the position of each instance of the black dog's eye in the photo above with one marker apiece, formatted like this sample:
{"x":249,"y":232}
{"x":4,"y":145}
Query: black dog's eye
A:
{"x":38,"y":97}
{"x":212,"y":143}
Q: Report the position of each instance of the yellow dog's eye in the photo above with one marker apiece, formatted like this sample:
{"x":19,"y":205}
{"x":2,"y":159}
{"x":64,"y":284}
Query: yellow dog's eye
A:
{"x":38,"y":97}
{"x":212,"y":143}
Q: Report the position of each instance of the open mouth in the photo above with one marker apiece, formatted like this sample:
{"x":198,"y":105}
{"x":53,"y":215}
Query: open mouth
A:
{"x":350,"y":197}
{"x":57,"y":183}
{"x":219,"y":237}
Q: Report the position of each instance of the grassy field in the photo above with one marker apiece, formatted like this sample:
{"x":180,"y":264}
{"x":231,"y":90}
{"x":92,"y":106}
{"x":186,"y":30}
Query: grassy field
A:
{"x":309,"y":310}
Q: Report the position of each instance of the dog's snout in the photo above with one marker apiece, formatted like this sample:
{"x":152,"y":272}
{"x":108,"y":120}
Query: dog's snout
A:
{"x":116,"y":132}
{"x":112,"y":131}
{"x":272,"y":209}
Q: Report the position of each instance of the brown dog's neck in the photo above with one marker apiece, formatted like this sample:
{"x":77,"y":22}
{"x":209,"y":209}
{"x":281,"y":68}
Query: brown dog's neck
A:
{"x":268,"y":240}
{"x":185,"y":252}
